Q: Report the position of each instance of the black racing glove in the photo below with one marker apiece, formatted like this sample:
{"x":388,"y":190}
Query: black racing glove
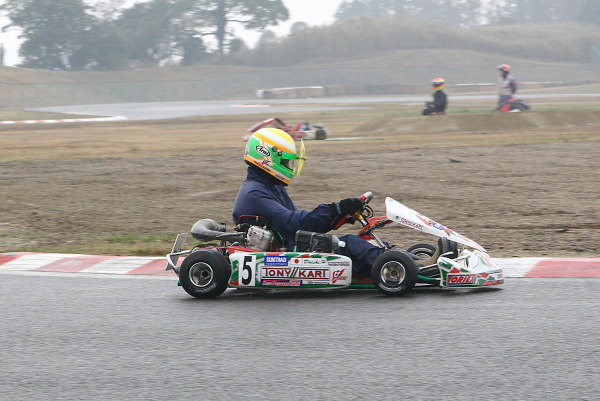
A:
{"x":347,"y":206}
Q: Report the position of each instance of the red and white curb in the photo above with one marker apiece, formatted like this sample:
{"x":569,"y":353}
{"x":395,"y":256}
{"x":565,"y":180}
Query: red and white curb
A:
{"x":65,"y":120}
{"x":155,"y":266}
{"x":72,"y":263}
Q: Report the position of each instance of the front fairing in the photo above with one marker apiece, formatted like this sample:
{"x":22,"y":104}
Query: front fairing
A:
{"x":469,"y":270}
{"x":401,"y":214}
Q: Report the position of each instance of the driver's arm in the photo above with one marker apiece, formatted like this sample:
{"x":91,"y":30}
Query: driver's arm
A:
{"x":287,"y":221}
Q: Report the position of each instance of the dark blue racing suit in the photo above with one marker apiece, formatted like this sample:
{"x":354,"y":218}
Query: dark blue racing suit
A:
{"x":263,"y":195}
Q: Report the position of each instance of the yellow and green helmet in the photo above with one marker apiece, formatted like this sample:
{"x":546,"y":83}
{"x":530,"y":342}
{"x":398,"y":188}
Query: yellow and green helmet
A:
{"x":274,"y":151}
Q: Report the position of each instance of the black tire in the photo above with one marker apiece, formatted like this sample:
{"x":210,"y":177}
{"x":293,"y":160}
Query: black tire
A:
{"x":446,"y":246}
{"x":394,"y":273}
{"x":204,"y":274}
{"x":422,"y":249}
{"x":321,"y":134}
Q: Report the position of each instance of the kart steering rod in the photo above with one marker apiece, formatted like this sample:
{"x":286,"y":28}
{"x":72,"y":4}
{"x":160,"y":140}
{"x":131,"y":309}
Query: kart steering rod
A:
{"x":366,"y":198}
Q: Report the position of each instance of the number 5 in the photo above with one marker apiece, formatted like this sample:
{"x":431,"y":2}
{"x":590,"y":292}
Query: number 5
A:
{"x":247,"y":271}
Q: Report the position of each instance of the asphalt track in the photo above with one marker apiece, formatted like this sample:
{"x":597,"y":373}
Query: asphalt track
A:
{"x":65,"y":336}
{"x":164,"y":110}
{"x":69,"y":337}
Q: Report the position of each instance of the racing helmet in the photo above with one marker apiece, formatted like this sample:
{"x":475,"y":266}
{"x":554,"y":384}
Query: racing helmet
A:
{"x":438,"y":84}
{"x":274,"y":151}
{"x":503,"y":67}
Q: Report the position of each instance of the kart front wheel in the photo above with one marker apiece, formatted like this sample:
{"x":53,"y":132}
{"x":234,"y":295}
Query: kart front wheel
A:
{"x":204,"y":274}
{"x":394,"y":273}
{"x":423,"y":250}
{"x":448,"y":248}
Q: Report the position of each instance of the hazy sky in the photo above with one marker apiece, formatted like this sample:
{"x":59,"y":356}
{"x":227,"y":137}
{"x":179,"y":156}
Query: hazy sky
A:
{"x":313,"y":12}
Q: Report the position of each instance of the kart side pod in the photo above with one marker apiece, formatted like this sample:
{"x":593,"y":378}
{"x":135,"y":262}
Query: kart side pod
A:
{"x":291,"y":270}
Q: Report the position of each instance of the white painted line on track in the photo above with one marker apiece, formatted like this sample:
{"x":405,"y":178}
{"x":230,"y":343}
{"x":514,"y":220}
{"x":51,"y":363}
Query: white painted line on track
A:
{"x":517,"y":267}
{"x":356,"y":138}
{"x":32,"y":261}
{"x":89,"y":275}
{"x":121,"y":265}
{"x":65,"y":120}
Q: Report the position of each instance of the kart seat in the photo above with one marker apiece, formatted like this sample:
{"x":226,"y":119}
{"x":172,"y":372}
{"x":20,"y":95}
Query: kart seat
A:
{"x":208,"y":230}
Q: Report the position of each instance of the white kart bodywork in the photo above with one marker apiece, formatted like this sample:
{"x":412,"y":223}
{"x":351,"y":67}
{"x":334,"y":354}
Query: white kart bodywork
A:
{"x":401,"y":214}
{"x":470,"y":269}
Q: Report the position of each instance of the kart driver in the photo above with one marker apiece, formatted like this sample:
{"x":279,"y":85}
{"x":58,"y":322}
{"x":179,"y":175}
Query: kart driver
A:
{"x":273,"y":161}
{"x":507,"y":84}
{"x":440,"y":101}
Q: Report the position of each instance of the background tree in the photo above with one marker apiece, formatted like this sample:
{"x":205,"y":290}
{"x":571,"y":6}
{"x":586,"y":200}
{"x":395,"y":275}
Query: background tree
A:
{"x":69,"y":34}
{"x":298,"y":26}
{"x":152,"y":28}
{"x":237,"y":45}
{"x":267,"y":37}
{"x":218,"y":15}
{"x":349,"y":9}
{"x":469,"y":12}
{"x":108,"y":9}
{"x":51,"y":30}
{"x":103,"y":47}
{"x":147,"y":34}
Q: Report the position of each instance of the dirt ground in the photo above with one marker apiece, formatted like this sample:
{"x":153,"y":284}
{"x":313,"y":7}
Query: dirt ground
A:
{"x":127,"y":188}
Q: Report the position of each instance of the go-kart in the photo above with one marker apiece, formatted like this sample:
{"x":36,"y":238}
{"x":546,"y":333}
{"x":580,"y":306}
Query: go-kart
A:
{"x":298,"y":131}
{"x":512,"y":106}
{"x":249,"y":258}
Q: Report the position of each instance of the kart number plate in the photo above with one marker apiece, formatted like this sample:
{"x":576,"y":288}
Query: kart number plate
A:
{"x":248,"y":271}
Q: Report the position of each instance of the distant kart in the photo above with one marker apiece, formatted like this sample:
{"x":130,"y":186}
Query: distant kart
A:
{"x":512,"y":106}
{"x":299,"y":131}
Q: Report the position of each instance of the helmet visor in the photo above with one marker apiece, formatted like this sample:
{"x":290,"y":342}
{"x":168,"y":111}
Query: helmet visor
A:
{"x":295,"y":162}
{"x":301,"y":159}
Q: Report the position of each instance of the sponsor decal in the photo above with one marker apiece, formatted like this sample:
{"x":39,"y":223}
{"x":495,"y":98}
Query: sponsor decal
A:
{"x":313,"y":273}
{"x":263,"y":151}
{"x":282,"y":283}
{"x":435,"y":225}
{"x":462,"y":237}
{"x":461,"y":279}
{"x":308,"y":261}
{"x":339,"y":263}
{"x":295,"y":272}
{"x":338,"y":275}
{"x":275,"y":273}
{"x":276,"y":261}
{"x":411,"y":223}
{"x":315,"y":282}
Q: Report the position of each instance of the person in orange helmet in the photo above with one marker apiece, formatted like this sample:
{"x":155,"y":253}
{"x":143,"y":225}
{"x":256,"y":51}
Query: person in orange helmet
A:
{"x":507,"y":84}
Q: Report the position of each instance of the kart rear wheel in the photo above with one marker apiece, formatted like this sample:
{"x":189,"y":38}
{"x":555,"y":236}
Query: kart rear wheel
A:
{"x":204,"y":274}
{"x":422,"y":249}
{"x":394,"y":273}
{"x":321,"y":134}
